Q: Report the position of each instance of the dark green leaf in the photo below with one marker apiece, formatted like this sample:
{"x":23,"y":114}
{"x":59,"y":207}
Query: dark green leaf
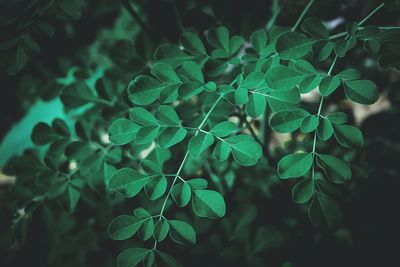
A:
{"x":295,"y":165}
{"x":292,"y":45}
{"x":361,"y":91}
{"x":182,"y":232}
{"x":283,"y":78}
{"x":303,"y":191}
{"x":208,"y":203}
{"x":122,"y":131}
{"x":348,"y":136}
{"x":324,"y":211}
{"x":335,"y":169}
{"x":131,"y":257}
{"x":124,"y":226}
{"x":328,"y":85}
{"x":199,"y":143}
{"x":128,"y":181}
{"x":181,"y":193}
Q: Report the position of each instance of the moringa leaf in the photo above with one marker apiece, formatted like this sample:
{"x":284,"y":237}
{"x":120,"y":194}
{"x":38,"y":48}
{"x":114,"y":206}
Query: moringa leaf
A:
{"x":208,"y":204}
{"x":122,"y":131}
{"x":182,"y":232}
{"x":361,"y":91}
{"x":292,"y":45}
{"x":295,"y":165}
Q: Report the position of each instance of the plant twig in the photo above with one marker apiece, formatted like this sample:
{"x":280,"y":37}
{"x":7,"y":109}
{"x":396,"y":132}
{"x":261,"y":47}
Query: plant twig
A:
{"x":177,"y":175}
{"x":302,"y":15}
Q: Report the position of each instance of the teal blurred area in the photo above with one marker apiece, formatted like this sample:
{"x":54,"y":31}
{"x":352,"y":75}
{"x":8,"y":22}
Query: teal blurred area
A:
{"x":18,"y":138}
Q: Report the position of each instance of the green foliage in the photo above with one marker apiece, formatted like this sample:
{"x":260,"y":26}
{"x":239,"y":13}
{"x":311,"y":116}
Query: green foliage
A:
{"x":193,"y":122}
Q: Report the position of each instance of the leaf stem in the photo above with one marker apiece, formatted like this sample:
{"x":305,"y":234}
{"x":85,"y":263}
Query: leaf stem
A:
{"x":302,"y":15}
{"x":370,"y":14}
{"x":177,"y":175}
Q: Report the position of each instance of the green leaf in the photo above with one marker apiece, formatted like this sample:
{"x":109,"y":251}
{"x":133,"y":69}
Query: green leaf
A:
{"x":253,"y":81}
{"x":43,"y":134}
{"x":259,"y":41}
{"x":144,"y":90}
{"x":349,"y":74}
{"x":141,"y":213}
{"x":224,"y":129}
{"x":286,"y":121}
{"x":283,"y":78}
{"x":182,"y":232}
{"x":74,"y":194}
{"x":343,"y":46}
{"x":246,"y":152}
{"x":149,"y":259}
{"x":192,"y":43}
{"x":221,"y":151}
{"x":77,"y":94}
{"x":348,"y":136}
{"x":161,"y":229}
{"x":146,"y":231}
{"x":168,"y":260}
{"x":165,"y":73}
{"x":143,"y":117}
{"x":60,"y":127}
{"x":241,"y":96}
{"x":322,"y":49}
{"x":337,"y":117}
{"x":128,"y":182}
{"x":309,"y":83}
{"x":156,"y":187}
{"x":16,"y":60}
{"x":181,"y":193}
{"x":219,"y":38}
{"x":167,"y":115}
{"x":208,"y":204}
{"x":256,"y":105}
{"x":199,"y":143}
{"x":325,"y":129}
{"x":302,"y":66}
{"x":309,"y":123}
{"x":315,"y":28}
{"x":124,"y":227}
{"x":372,"y":46}
{"x":171,"y":136}
{"x":292,"y":45}
{"x":328,"y":85}
{"x":131,"y":257}
{"x":324,"y":211}
{"x":192,"y":72}
{"x":351,"y":27}
{"x":122,"y":131}
{"x":77,"y":150}
{"x":295,"y":165}
{"x":283,"y":100}
{"x":361,"y":91}
{"x":198,"y":183}
{"x":335,"y":169}
{"x":147,"y":134}
{"x":171,"y":54}
{"x":303,"y":191}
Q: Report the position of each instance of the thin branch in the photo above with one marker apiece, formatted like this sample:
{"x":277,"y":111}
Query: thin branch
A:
{"x":302,"y":15}
{"x":370,"y":14}
{"x":177,"y":175}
